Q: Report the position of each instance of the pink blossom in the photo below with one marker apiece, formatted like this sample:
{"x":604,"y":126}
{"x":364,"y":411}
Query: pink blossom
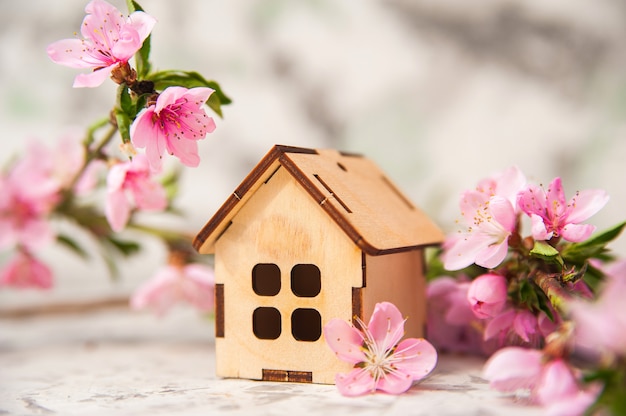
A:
{"x":551,"y":216}
{"x":506,"y":184}
{"x":381,"y":361}
{"x":191,"y":283}
{"x":518,"y":327}
{"x":487,"y":295}
{"x":600,"y":326}
{"x":25,"y":271}
{"x":174,"y":124}
{"x":552,"y":383}
{"x":490,"y":214}
{"x":29,"y":194}
{"x":132,"y":180}
{"x":490,"y":221}
{"x":109,"y":42}
{"x":451,"y":325}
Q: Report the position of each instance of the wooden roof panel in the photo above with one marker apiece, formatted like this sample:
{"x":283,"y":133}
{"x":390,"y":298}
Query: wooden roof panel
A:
{"x":351,"y":189}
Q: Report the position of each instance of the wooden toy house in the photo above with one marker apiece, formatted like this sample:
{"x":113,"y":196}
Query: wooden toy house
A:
{"x":308,"y":236}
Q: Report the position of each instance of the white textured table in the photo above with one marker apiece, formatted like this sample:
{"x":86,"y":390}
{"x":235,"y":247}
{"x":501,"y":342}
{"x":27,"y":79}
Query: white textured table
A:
{"x":117,"y":362}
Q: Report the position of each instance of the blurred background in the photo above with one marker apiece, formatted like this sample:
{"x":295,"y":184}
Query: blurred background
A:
{"x":439,"y":93}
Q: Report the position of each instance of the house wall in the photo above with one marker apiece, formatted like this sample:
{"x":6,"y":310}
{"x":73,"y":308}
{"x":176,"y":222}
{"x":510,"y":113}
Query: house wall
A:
{"x":397,"y":278}
{"x":281,"y":224}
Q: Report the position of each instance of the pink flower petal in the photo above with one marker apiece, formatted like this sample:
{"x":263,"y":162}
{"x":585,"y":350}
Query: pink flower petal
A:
{"x":126,"y":45}
{"x":492,"y":255}
{"x":186,"y":150}
{"x":386,"y":325}
{"x":555,"y":198}
{"x":586,"y":204}
{"x":577,"y":233}
{"x":344,"y":340}
{"x":142,"y":22}
{"x":461,"y":250}
{"x":538,"y":228}
{"x":158,"y":293}
{"x":513,"y":368}
{"x":356,"y":383}
{"x":199,"y":286}
{"x":395,"y":383}
{"x":503,"y":212}
{"x":117,"y":210}
{"x":501,"y":323}
{"x":25,"y":271}
{"x":525,"y":324}
{"x":92,"y":79}
{"x":416,"y":357}
{"x":487,"y":295}
{"x":557,"y":382}
{"x":68,"y":52}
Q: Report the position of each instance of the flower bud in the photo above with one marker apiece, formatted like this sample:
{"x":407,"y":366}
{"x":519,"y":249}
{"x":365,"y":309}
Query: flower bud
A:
{"x":487,"y":295}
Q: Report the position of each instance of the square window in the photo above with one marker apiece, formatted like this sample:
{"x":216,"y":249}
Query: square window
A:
{"x":306,"y":324}
{"x":266,"y":323}
{"x":266,"y":279}
{"x":306,"y":281}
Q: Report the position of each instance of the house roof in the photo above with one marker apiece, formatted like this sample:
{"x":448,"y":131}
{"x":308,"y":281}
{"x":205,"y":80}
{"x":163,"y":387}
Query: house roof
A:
{"x":350,"y":188}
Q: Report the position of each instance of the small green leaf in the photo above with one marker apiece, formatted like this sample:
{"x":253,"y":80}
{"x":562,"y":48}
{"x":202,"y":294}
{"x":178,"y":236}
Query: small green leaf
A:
{"x":72,"y":245}
{"x":126,"y":248}
{"x":142,"y":59}
{"x":125,"y":101}
{"x":546,"y":252}
{"x":123,"y":124}
{"x":191,"y":79}
{"x":595,"y":247}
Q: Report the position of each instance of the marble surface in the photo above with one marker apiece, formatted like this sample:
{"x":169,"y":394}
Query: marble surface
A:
{"x":117,"y":362}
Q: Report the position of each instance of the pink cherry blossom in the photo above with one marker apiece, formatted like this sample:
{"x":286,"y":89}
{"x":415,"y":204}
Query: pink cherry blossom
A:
{"x":490,"y":221}
{"x":552,"y":383}
{"x":132,"y":180}
{"x":30,"y":191}
{"x":451,"y":326}
{"x":173,"y":124}
{"x":490,"y":214}
{"x":381,"y":361}
{"x":192,"y":283}
{"x":25,"y":271}
{"x":506,"y":184}
{"x":552,"y":216}
{"x":518,"y":327}
{"x":487,"y":295}
{"x":109,"y":41}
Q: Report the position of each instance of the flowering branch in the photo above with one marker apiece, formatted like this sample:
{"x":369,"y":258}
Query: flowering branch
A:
{"x":99,"y":183}
{"x":543,"y":306}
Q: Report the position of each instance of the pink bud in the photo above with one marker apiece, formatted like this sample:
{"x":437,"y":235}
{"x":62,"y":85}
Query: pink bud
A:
{"x":487,"y":295}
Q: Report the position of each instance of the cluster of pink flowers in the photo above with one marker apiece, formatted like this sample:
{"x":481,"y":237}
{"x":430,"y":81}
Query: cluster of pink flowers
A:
{"x":517,"y":297}
{"x":31,"y":189}
{"x":492,"y":214}
{"x":157,"y":112}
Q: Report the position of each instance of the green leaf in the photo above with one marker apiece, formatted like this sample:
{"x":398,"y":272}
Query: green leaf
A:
{"x":125,"y":101}
{"x":123,"y":124}
{"x":142,"y":59}
{"x":126,"y":248}
{"x":191,"y":79}
{"x":595,"y":247}
{"x":546,"y":252}
{"x":72,"y":245}
{"x":125,"y":112}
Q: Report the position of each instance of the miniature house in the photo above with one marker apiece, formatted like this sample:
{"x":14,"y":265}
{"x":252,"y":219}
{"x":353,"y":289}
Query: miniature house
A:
{"x":308,"y":236}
